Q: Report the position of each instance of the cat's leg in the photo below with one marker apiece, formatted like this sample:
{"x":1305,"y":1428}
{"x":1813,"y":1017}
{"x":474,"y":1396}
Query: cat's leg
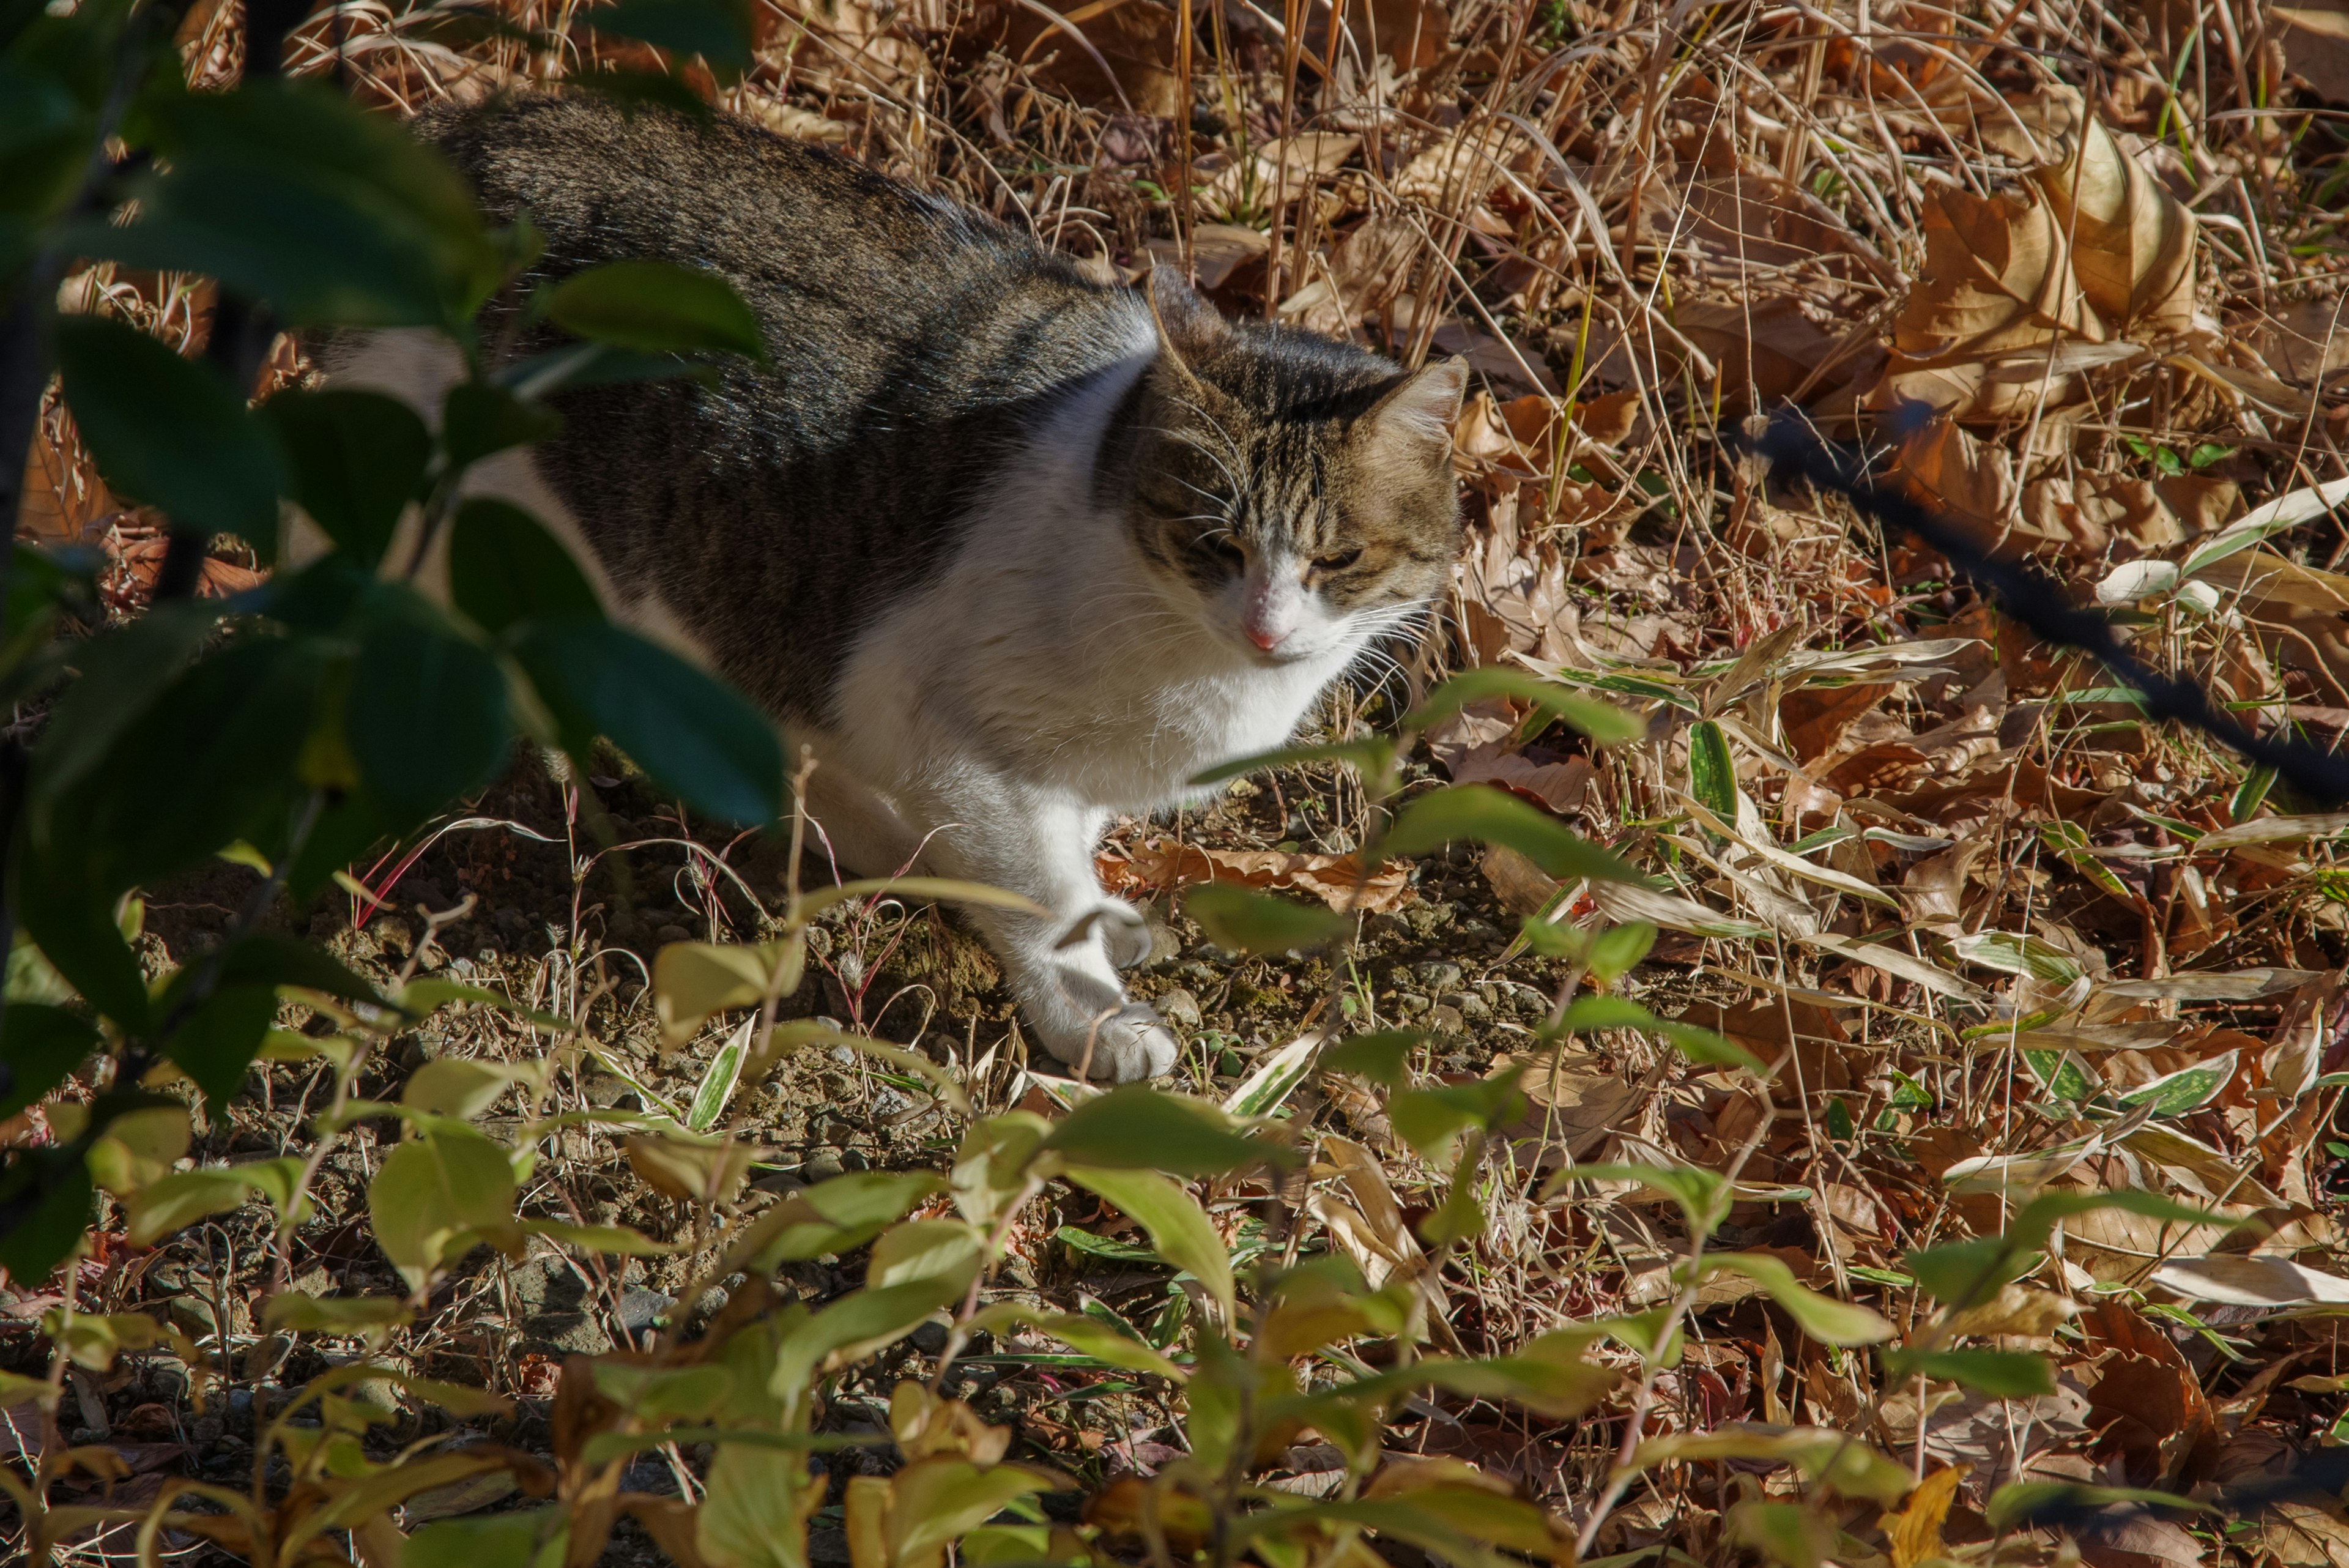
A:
{"x":1063,"y":968}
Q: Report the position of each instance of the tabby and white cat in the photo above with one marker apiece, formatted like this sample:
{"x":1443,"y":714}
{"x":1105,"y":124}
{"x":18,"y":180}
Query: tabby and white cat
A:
{"x":1010,"y":549}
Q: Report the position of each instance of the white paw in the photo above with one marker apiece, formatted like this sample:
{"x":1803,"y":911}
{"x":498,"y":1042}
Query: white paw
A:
{"x":1124,"y":932}
{"x":1129,"y":1045}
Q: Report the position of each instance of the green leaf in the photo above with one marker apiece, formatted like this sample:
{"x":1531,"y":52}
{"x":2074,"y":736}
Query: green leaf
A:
{"x":1618,"y":950}
{"x":2028,"y":1502}
{"x":77,"y":936}
{"x":1712,"y":772}
{"x":1430,"y":1120}
{"x":286,"y":190}
{"x":294,"y":1312}
{"x":696,"y":737}
{"x":1087,"y":1335}
{"x":425,"y":718}
{"x":2190,"y":1089}
{"x":1791,"y":1535}
{"x":1700,"y":1046}
{"x":180,"y":1200}
{"x":718,"y":30}
{"x":525,"y":1538}
{"x":2251,"y":794}
{"x":1483,"y":813}
{"x":355,"y":461}
{"x":1380,"y":1056}
{"x":718,"y":1080}
{"x":505,"y":567}
{"x":1702,"y":1195}
{"x":655,"y":307}
{"x":1179,"y":1229}
{"x":170,"y":430}
{"x":1959,"y":1274}
{"x":214,"y":760}
{"x":1824,"y":1457}
{"x":459,"y":1087}
{"x":1603,"y":722}
{"x":620,"y":1240}
{"x":2011,"y":954}
{"x":833,"y":1217}
{"x":1139,"y":1127}
{"x":1824,"y":1318}
{"x":1370,"y":758}
{"x":46,"y":1197}
{"x":40,"y":1044}
{"x":1240,"y":921}
{"x":479,"y":419}
{"x":437,"y":1195}
{"x":220,"y":1039}
{"x":2000,"y":1373}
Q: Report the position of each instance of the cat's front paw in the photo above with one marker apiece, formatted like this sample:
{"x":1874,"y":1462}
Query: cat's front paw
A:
{"x":1125,"y":933}
{"x":1133,"y":1044}
{"x":1122,"y":1047}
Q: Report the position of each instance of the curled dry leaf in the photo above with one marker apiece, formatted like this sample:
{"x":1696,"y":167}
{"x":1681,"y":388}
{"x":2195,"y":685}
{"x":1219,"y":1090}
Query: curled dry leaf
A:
{"x":1336,"y":879}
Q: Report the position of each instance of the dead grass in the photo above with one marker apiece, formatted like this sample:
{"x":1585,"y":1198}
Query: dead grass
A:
{"x":1960,"y":884}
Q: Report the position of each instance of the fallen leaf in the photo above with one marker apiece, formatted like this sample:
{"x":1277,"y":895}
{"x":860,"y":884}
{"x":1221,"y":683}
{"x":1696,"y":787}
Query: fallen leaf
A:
{"x":1336,"y":879}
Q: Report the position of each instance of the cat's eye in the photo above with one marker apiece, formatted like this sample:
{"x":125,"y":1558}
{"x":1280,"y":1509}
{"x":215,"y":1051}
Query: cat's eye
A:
{"x":1227,"y":549}
{"x":1337,"y":563}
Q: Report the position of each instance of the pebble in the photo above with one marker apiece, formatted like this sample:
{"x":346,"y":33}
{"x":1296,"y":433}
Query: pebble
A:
{"x":823,"y":1164}
{"x":929,"y":1338}
{"x":1446,"y":1019}
{"x":1408,"y":1005}
{"x":640,"y":1309}
{"x":1468,"y":1004}
{"x":674,"y":934}
{"x":1180,"y":1007}
{"x":843,"y":1054}
{"x":1438,"y":975}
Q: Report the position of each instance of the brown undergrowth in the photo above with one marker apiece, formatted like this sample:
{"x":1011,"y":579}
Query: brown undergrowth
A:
{"x":1995,"y":936}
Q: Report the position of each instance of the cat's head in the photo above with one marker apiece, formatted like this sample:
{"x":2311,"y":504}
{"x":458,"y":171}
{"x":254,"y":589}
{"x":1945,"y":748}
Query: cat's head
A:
{"x":1296,"y":492}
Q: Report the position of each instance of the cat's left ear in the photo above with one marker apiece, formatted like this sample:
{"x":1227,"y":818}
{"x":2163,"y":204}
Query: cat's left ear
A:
{"x":1187,"y":325}
{"x":1418,"y":414}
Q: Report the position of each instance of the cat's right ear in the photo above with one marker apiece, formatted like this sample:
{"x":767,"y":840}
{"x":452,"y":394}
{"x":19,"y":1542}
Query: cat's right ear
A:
{"x":1187,"y":325}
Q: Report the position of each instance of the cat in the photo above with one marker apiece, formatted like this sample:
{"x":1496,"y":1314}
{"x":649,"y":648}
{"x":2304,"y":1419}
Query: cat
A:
{"x":1009,"y":549}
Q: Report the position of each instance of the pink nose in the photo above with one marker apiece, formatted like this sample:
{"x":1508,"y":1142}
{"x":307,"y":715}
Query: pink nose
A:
{"x":1265,"y":638}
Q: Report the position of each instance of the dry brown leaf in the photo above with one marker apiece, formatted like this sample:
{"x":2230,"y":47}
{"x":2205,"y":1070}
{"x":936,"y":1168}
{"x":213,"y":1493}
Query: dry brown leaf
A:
{"x":1522,"y":886}
{"x":1336,"y":879}
{"x":1574,"y":1101}
{"x":2132,"y":242}
{"x":2315,"y":39}
{"x":2148,"y":1402}
{"x":1914,"y":1535}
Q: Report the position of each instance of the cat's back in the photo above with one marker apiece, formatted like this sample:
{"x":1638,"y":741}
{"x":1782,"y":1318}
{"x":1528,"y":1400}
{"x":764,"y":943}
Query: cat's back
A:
{"x":915,"y":351}
{"x":897,"y":296}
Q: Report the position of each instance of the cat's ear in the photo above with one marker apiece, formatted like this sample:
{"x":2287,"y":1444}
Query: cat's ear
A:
{"x":1418,"y":412}
{"x":1187,"y":325}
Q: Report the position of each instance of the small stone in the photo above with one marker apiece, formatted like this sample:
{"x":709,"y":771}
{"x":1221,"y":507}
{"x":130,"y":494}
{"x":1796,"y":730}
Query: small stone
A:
{"x":1425,"y":919}
{"x":574,"y":1333}
{"x":889,"y":1102}
{"x":823,"y":1164}
{"x":674,"y":934}
{"x":1467,"y":1003}
{"x":929,"y":1338}
{"x":1388,"y":926}
{"x":1179,"y":1007}
{"x":609,"y":1093}
{"x":1437,"y":975}
{"x":843,"y":1054}
{"x":641,"y":1308}
{"x":1446,"y":1019}
{"x":203,"y":1429}
{"x":512,"y":919}
{"x":461,"y":966}
{"x":1408,"y":1005}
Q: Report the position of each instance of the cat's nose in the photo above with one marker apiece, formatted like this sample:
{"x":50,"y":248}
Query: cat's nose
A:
{"x":1266,"y":638}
